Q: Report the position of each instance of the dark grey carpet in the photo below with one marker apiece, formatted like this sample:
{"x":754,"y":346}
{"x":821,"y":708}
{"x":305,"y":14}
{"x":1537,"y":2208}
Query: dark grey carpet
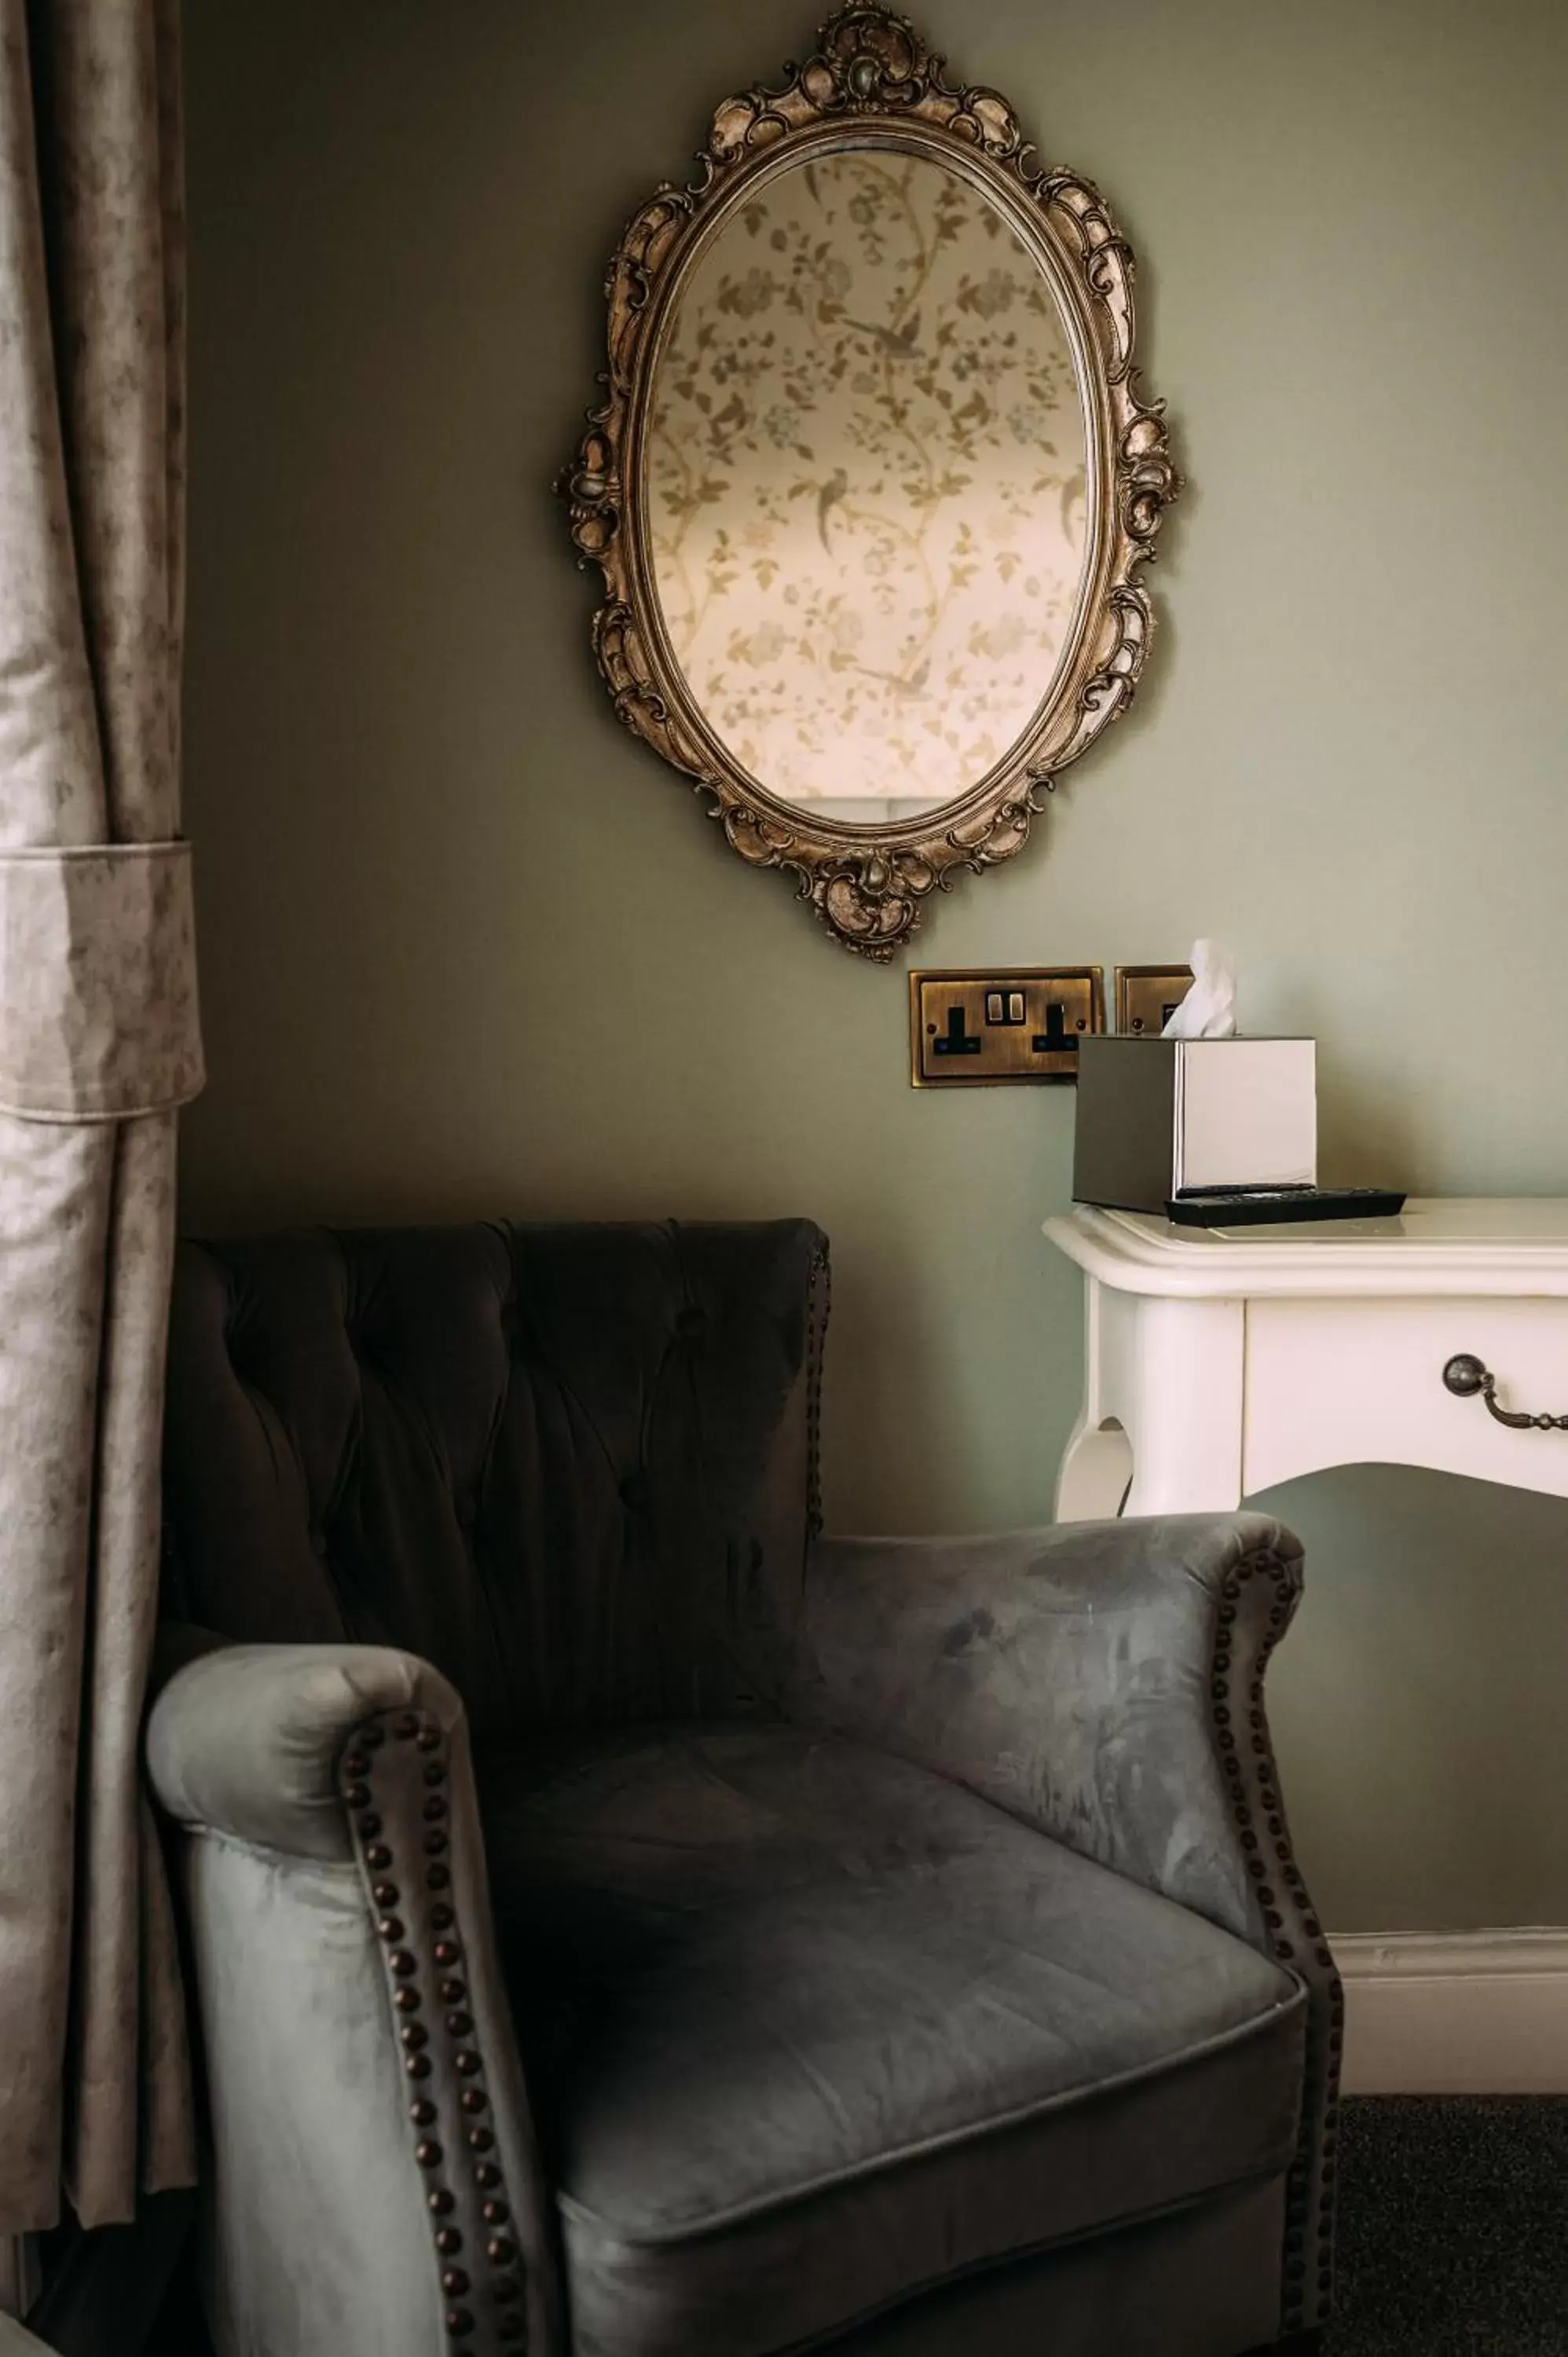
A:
{"x":1453,"y":2237}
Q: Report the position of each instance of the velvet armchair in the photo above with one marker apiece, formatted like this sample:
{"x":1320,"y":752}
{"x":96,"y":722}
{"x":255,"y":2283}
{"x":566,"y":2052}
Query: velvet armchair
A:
{"x":627,"y":1923}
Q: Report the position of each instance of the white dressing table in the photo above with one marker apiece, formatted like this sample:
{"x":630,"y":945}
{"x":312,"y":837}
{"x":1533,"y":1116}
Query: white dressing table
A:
{"x":1222,"y":1360}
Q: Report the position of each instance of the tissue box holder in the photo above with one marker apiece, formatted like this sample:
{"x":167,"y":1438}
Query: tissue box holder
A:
{"x":1157,"y":1118}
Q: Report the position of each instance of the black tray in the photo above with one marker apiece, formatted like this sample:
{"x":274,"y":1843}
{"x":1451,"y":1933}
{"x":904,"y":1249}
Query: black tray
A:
{"x":1255,"y":1207}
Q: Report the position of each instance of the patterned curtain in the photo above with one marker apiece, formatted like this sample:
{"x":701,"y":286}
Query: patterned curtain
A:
{"x":98,"y":1043}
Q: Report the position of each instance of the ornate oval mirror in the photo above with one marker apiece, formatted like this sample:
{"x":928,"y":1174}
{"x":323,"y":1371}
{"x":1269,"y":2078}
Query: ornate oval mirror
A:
{"x":872,"y":478}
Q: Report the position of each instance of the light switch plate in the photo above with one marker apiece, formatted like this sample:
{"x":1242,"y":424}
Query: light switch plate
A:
{"x":1147,"y":995}
{"x":984,"y":1025}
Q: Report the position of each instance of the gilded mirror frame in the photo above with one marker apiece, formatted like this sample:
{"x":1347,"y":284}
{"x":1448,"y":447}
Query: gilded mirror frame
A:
{"x":872,"y":83}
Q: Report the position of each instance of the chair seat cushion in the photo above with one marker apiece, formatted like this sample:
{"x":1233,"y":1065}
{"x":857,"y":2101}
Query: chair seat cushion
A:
{"x":811,"y":2029}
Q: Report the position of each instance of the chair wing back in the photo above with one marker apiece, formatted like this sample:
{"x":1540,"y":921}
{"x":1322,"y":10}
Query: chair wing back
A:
{"x":573,"y":1465}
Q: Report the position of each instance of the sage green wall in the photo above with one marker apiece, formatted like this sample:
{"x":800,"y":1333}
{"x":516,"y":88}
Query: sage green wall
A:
{"x":467,"y":949}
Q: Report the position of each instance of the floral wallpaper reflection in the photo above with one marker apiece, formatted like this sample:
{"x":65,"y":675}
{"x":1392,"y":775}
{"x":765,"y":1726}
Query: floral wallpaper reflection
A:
{"x":866,"y":484}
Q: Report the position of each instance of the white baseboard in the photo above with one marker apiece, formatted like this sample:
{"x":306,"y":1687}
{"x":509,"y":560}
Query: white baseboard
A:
{"x":1455,"y":2013}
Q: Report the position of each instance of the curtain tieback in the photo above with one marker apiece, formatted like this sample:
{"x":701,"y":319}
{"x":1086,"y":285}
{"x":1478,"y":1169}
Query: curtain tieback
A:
{"x":98,"y":1008}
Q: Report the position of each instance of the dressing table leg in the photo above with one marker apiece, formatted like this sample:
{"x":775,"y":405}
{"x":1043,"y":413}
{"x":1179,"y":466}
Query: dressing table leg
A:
{"x":1163,"y":1405}
{"x":1096,"y":1468}
{"x":1185,"y":1372}
{"x":1096,"y":1473}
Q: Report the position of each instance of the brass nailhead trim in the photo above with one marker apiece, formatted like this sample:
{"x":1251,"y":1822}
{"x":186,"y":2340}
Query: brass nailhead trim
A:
{"x":503,"y":2324}
{"x":1290,"y":1926}
{"x":819,"y":1309}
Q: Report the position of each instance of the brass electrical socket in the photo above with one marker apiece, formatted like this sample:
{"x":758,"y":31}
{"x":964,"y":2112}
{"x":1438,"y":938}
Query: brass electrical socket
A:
{"x":984,"y":1026}
{"x":1146,"y":996}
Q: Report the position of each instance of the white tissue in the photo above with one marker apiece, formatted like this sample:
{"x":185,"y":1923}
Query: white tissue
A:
{"x":1208,"y":1010}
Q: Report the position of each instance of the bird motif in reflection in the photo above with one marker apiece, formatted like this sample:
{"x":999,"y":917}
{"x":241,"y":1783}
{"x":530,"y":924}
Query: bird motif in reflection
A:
{"x":828,"y":498}
{"x":898,"y":343}
{"x":904,"y":690}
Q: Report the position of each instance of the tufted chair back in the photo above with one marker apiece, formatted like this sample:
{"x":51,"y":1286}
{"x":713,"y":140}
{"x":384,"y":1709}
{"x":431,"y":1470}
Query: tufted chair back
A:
{"x":574,"y":1466}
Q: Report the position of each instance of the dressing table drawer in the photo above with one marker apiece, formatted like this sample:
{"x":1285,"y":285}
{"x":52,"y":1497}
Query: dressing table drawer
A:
{"x":1331,"y":1381}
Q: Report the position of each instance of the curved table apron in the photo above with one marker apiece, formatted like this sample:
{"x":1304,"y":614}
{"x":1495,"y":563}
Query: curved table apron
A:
{"x":1218,"y":1362}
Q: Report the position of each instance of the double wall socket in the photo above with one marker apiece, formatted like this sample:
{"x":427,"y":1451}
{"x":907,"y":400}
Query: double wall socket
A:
{"x":976,"y":1028}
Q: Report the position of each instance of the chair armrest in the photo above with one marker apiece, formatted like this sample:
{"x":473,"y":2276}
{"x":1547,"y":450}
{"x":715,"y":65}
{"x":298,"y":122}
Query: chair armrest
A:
{"x":1101,"y":1680}
{"x":15,"y":2340}
{"x":246,"y":1739}
{"x":369,"y":2111}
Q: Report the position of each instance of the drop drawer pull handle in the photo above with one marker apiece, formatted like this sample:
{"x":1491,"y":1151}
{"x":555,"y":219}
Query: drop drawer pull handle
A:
{"x":1464,"y":1376}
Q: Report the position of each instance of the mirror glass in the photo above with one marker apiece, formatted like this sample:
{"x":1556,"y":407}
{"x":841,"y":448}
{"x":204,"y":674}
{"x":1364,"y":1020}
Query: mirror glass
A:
{"x":864,"y":481}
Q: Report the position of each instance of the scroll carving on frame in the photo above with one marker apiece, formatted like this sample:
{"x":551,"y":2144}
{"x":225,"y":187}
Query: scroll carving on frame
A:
{"x":872,"y":478}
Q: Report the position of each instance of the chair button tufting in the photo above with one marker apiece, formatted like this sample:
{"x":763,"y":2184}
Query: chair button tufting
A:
{"x":635,"y":1495}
